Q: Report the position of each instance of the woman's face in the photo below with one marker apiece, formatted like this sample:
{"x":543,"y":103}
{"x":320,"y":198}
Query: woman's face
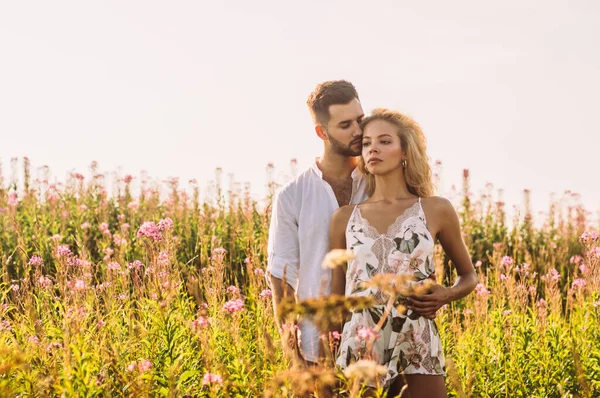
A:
{"x":381,"y":147}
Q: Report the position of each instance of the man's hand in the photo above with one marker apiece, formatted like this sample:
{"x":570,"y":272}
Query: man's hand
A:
{"x":288,"y":333}
{"x":427,"y":304}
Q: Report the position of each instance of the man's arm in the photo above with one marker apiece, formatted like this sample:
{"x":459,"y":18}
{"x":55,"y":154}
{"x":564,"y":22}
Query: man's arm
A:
{"x":280,"y":291}
{"x":283,"y":258}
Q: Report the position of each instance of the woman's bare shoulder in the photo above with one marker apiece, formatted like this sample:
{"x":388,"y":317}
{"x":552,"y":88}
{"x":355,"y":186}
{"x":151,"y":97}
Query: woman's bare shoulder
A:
{"x":438,"y":204}
{"x":342,"y":213}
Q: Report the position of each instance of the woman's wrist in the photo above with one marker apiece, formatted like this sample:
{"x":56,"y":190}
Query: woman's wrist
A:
{"x":461,"y":288}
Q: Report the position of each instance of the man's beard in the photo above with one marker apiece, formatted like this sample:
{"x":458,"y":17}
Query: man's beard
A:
{"x":344,"y":150}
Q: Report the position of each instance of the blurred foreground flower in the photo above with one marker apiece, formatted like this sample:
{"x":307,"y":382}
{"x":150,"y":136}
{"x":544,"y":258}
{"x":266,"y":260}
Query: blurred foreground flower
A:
{"x":337,"y":257}
{"x":211,"y":378}
{"x":365,"y":369}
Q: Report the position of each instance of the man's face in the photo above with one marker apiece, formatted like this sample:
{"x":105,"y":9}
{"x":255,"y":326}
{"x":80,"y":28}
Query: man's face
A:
{"x":343,"y":129}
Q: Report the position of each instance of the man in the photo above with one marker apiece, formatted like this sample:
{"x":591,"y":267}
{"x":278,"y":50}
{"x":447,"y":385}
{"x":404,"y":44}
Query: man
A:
{"x":302,"y":209}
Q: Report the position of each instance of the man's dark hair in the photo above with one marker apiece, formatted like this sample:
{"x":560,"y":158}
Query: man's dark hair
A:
{"x":335,"y":92}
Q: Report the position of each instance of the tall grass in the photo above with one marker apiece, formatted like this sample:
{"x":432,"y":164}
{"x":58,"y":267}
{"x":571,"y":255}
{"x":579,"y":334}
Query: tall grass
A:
{"x":138,"y":294}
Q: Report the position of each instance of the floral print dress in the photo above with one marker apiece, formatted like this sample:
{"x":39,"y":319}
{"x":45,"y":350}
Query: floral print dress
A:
{"x":407,"y":343}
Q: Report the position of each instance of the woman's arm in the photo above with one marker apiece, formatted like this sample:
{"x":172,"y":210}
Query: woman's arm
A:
{"x":337,"y":240}
{"x":450,"y":238}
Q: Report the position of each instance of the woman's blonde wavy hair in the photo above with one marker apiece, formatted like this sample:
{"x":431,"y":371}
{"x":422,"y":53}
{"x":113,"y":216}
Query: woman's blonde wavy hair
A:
{"x":417,"y":172}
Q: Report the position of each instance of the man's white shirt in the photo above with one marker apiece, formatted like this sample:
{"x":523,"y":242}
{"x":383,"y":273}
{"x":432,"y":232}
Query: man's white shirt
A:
{"x":299,"y":241}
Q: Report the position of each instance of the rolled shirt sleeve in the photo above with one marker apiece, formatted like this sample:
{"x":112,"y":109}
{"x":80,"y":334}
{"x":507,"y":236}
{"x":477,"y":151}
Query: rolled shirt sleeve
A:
{"x":283,"y":247}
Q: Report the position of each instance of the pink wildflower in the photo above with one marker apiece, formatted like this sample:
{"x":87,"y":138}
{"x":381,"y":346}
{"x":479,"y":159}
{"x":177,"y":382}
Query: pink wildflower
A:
{"x":52,"y":196}
{"x":163,"y":259}
{"x":144,"y":365}
{"x":131,"y":366}
{"x":5,"y":325}
{"x":578,"y":284}
{"x":101,"y":323}
{"x":575,"y":260}
{"x":83,"y":207}
{"x":33,"y":339}
{"x":14,"y":287}
{"x":541,"y":303}
{"x":336,"y":335}
{"x":13,"y":200}
{"x":79,"y":284}
{"x":104,"y":228}
{"x":597,"y":303}
{"x":481,"y":290}
{"x":63,"y":251}
{"x":259,"y":272}
{"x":85,"y":225}
{"x":365,"y":333}
{"x":265,"y":294}
{"x":137,"y":264}
{"x":497,"y":245}
{"x":149,"y":230}
{"x":54,"y":344}
{"x":165,"y":224}
{"x":467,"y":311}
{"x":133,"y":205}
{"x":128,"y":178}
{"x":36,"y":261}
{"x":56,"y":237}
{"x":119,"y":241}
{"x":233,"y":290}
{"x":211,"y":378}
{"x":478,"y":264}
{"x":503,"y":277}
{"x":218,"y":253}
{"x":201,"y":322}
{"x":588,"y":237}
{"x":506,"y":313}
{"x":595,"y":252}
{"x":507,"y":261}
{"x":553,"y":273}
{"x":114,"y":266}
{"x":234,"y":305}
{"x":44,"y":281}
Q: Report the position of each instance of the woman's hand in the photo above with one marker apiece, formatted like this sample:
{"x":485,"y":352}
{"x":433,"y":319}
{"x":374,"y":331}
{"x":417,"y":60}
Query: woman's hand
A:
{"x":427,"y":304}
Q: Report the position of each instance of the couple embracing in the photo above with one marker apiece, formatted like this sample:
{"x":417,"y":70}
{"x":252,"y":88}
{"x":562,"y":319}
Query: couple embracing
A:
{"x":370,"y":192}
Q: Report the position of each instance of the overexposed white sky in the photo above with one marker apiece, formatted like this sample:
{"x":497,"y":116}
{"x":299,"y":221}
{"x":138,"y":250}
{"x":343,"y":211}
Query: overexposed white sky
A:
{"x":508,"y":89}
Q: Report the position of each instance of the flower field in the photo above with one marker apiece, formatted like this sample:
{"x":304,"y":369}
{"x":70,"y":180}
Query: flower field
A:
{"x":141,"y":294}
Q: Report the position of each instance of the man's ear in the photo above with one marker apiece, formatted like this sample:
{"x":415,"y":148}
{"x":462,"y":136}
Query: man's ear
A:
{"x":320,"y":132}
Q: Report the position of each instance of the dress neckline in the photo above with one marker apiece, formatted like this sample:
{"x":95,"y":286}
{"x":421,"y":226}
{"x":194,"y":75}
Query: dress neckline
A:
{"x":406,"y":214}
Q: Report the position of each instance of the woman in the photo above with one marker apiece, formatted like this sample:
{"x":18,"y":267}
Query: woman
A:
{"x":394,"y":231}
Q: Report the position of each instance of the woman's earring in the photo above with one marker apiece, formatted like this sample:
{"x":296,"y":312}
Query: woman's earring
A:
{"x":404,"y":163}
